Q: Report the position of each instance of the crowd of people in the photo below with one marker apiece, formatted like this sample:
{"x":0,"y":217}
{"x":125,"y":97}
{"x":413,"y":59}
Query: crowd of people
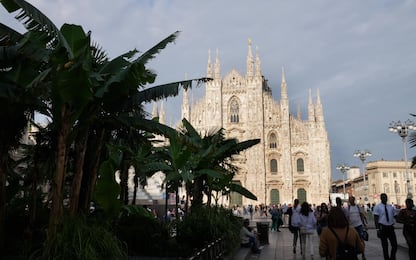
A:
{"x":342,"y":228}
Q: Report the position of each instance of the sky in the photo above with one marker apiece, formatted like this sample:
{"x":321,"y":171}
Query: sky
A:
{"x":361,"y":55}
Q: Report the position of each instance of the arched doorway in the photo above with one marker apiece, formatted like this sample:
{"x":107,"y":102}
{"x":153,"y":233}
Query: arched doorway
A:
{"x":274,"y":197}
{"x":236,"y":198}
{"x":301,"y":195}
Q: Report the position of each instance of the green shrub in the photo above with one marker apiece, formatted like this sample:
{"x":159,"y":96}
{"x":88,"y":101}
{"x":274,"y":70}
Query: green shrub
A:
{"x":205,"y":225}
{"x":80,"y":240}
{"x":143,"y":234}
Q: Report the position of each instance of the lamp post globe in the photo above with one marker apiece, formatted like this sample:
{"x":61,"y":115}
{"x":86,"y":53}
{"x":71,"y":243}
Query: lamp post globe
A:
{"x":343,"y":168}
{"x":402,"y":129}
{"x":362,"y":155}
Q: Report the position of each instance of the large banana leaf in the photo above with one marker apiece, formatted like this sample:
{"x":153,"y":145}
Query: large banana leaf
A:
{"x":241,"y":190}
{"x":35,"y":20}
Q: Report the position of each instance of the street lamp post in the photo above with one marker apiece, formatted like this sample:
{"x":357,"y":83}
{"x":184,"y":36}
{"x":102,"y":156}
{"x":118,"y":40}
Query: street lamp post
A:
{"x":362,"y":155}
{"x":343,"y":168}
{"x":402,"y":129}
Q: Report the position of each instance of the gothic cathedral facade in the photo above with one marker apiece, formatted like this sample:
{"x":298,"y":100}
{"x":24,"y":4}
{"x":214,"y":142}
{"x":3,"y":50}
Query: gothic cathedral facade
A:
{"x":293,"y":158}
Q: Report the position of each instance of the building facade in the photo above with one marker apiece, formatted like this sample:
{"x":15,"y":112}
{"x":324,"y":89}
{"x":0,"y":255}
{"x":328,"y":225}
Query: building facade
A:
{"x":293,"y":158}
{"x":390,"y":177}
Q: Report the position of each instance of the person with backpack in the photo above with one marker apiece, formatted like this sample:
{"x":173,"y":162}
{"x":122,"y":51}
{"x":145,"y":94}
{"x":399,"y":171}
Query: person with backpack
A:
{"x":356,"y":218}
{"x":340,"y":240}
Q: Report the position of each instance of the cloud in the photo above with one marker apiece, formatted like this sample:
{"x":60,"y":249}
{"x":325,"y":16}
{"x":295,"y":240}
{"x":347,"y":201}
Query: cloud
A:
{"x":360,"y":54}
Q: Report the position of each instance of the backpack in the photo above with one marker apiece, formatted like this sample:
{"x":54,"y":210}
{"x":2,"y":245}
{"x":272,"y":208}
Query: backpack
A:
{"x":344,"y":250}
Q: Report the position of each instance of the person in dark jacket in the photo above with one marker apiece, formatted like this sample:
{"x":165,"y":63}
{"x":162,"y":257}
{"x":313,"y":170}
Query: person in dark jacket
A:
{"x":407,"y":216}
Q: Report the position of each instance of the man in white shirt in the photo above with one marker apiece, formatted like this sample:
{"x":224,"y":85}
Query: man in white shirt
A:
{"x":384,"y":215}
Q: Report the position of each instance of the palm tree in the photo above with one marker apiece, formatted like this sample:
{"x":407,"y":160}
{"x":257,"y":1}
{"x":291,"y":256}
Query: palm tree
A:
{"x":207,"y":163}
{"x":87,"y":97}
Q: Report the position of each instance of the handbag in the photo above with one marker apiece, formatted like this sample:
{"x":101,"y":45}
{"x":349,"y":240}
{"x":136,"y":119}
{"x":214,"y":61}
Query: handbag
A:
{"x":365,"y":235}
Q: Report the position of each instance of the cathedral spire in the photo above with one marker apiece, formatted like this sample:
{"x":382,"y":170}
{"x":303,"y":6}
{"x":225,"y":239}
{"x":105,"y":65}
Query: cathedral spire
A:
{"x":318,"y":98}
{"x":318,"y":108}
{"x":283,"y":86}
{"x":299,"y":112}
{"x":217,"y":66}
{"x":155,"y":113}
{"x":258,"y":64}
{"x":185,"y":102}
{"x":209,"y":65}
{"x":249,"y":60}
{"x":162,"y":118}
{"x":311,"y":109}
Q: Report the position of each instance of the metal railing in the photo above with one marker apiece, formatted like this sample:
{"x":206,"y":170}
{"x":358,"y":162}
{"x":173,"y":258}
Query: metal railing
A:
{"x":214,"y":250}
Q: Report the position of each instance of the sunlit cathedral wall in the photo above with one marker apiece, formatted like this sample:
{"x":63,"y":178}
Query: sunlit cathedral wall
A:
{"x":293,"y":158}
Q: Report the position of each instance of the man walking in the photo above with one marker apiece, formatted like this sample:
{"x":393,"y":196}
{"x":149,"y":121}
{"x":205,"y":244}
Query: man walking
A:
{"x":384,"y":221}
{"x":356,"y":218}
{"x":407,"y":216}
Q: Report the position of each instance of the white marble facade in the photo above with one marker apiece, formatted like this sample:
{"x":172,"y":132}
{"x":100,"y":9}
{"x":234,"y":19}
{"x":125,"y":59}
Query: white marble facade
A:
{"x":293,"y":158}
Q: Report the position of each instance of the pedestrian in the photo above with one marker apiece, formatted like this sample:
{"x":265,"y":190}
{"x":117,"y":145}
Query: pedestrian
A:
{"x":356,"y":218}
{"x":407,"y":216}
{"x":321,"y":215}
{"x":250,"y":210}
{"x":307,"y":226}
{"x":338,"y":227}
{"x":274,"y":212}
{"x":338,"y":202}
{"x":294,"y":224}
{"x":384,"y":222}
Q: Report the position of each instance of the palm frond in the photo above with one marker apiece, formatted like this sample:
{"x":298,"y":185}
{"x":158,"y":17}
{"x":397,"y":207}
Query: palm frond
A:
{"x":100,"y":56}
{"x":167,"y":90}
{"x":8,"y":36}
{"x":241,"y":190}
{"x":35,"y":20}
{"x":150,"y":54}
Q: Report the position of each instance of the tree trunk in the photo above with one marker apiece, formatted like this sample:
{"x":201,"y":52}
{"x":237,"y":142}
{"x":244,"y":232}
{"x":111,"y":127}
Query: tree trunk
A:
{"x":3,"y":163}
{"x":197,"y":193}
{"x":80,"y":149}
{"x":136,"y":184}
{"x":57,"y":183}
{"x":124,"y":178}
{"x":94,"y":153}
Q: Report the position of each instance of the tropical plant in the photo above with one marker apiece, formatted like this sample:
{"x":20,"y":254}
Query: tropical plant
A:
{"x":212,"y":163}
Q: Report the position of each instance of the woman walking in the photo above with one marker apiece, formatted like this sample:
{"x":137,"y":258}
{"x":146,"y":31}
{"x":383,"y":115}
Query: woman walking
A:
{"x":307,"y":225}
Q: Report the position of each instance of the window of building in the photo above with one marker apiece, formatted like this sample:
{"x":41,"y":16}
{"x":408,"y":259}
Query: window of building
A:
{"x":299,"y":165}
{"x":394,"y":174}
{"x":272,"y":141}
{"x":273,"y":166}
{"x":386,"y":188}
{"x":234,"y":111}
{"x":385,"y":175}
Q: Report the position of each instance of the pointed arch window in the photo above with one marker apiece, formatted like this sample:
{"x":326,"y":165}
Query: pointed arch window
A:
{"x":300,"y":165}
{"x":273,"y":141}
{"x":274,"y":196}
{"x":273,"y":166}
{"x":234,"y":111}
